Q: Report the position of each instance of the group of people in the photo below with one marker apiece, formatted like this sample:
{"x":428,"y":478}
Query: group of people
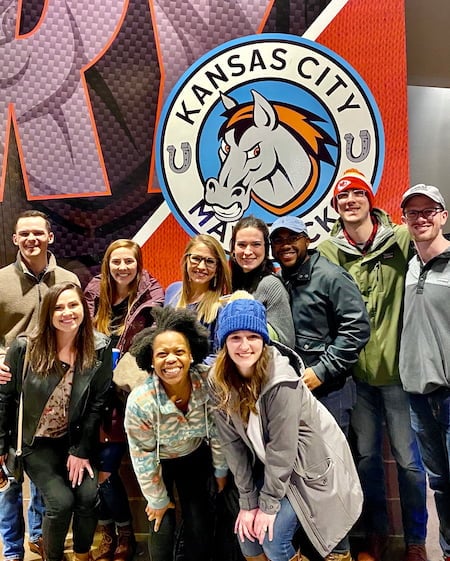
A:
{"x":267,"y":376}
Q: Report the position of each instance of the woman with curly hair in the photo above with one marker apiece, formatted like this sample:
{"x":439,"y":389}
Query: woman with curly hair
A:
{"x":172,"y":435}
{"x":120,"y":301}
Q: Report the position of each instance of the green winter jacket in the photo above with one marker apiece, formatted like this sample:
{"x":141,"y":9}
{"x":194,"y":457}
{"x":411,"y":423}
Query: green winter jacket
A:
{"x":380,"y":276}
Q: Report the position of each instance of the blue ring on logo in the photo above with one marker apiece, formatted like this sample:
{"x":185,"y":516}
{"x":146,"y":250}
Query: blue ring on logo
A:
{"x":208,"y":166}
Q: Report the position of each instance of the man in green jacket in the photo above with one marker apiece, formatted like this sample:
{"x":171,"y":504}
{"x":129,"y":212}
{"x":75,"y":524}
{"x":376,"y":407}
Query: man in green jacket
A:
{"x":366,"y":243}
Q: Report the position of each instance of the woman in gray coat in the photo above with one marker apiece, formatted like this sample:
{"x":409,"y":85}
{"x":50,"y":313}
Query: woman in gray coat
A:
{"x":291,"y":462}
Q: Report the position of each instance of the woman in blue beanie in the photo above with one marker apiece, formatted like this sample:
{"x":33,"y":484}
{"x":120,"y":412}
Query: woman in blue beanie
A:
{"x":291,"y":462}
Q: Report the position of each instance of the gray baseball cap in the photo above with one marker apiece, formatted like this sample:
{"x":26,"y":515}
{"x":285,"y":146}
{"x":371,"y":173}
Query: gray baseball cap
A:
{"x":429,"y":191}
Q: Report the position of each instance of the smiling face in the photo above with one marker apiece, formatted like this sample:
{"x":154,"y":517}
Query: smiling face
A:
{"x":289,"y":248}
{"x":123,"y":266}
{"x":68,"y":314}
{"x":244,"y":348}
{"x":354,"y":207}
{"x":32,"y":238}
{"x":249,"y":249}
{"x":424,"y":229}
{"x":172,"y":358}
{"x":200,"y":267}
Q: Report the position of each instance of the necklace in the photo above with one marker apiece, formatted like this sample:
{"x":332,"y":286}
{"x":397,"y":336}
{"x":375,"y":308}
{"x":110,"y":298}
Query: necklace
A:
{"x":181,"y":399}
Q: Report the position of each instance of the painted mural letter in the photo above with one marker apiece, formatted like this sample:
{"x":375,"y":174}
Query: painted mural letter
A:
{"x":43,"y":95}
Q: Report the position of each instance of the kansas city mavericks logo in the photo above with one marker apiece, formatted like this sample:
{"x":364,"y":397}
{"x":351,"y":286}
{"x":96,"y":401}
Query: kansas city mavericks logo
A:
{"x":264,"y":125}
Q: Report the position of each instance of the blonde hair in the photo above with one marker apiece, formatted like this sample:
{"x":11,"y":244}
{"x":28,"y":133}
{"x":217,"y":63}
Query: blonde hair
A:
{"x":220,"y":284}
{"x":108,"y":286}
{"x":232,"y":392}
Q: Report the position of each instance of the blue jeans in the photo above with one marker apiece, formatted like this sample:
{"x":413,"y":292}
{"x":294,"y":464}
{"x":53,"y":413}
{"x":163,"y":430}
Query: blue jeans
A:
{"x":340,"y":404}
{"x":391,"y":403}
{"x":284,"y":528}
{"x":12,"y":524}
{"x":430,"y":417}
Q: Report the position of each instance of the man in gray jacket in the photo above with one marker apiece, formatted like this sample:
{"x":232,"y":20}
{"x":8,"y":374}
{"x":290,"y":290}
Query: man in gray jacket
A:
{"x":22,"y":287}
{"x":330,"y":320}
{"x":425,"y":342}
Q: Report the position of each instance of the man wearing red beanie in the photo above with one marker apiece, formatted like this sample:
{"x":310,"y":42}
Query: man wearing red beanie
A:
{"x":366,"y":243}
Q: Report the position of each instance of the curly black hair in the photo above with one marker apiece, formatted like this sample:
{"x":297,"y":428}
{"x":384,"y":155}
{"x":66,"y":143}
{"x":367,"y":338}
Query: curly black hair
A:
{"x":181,"y":320}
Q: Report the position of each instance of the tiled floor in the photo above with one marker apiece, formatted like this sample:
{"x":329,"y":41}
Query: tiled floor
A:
{"x":395,"y":552}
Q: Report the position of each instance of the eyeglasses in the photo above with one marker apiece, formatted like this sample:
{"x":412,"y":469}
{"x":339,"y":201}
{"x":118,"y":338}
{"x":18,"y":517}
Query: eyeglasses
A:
{"x":357,"y":194}
{"x":426,"y":213}
{"x":194,"y":259}
{"x":292,"y":238}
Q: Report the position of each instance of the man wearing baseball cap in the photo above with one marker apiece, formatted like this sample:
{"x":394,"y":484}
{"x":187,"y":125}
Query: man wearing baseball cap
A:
{"x":375,"y":252}
{"x":425,"y":341}
{"x":331,"y":324}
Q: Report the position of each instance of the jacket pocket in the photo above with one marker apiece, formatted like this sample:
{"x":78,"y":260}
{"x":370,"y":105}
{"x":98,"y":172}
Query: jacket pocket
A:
{"x":310,"y":349}
{"x":322,"y":497}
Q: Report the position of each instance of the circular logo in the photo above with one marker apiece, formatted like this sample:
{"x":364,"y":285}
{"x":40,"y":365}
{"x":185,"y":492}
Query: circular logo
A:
{"x":264,"y":125}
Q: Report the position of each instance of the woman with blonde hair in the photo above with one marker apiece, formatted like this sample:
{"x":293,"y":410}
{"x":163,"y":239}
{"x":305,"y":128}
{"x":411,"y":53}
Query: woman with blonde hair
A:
{"x":120,"y":301}
{"x":64,"y":390}
{"x":206,"y":279}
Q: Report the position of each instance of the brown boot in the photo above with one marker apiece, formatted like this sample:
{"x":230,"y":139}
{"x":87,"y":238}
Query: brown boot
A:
{"x":126,"y":544}
{"x":299,"y":557}
{"x":108,"y":543}
{"x":82,"y":556}
{"x":37,"y":547}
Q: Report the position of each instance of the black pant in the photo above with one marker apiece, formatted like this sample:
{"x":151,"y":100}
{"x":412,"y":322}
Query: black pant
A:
{"x":191,"y":475}
{"x":46,"y":467}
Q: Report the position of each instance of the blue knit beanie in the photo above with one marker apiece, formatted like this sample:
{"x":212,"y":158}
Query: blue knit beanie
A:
{"x":242,"y":315}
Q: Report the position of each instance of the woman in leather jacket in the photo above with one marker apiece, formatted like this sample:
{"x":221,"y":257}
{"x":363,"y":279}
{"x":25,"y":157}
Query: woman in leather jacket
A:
{"x":64,"y":390}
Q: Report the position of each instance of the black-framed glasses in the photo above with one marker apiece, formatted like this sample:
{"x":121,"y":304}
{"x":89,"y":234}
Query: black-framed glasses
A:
{"x":357,"y":194}
{"x":292,"y":238}
{"x":427,"y":213}
{"x":195,"y":259}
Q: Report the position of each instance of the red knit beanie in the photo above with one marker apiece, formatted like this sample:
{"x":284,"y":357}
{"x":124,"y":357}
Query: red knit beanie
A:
{"x":353,"y":179}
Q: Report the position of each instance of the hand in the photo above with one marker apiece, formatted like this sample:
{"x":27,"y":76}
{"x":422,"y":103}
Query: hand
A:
{"x":263,"y":525}
{"x":76,"y":467}
{"x":311,"y":380}
{"x":3,"y":459}
{"x":243,"y":526}
{"x":5,"y":374}
{"x":221,"y":482}
{"x":157,"y":514}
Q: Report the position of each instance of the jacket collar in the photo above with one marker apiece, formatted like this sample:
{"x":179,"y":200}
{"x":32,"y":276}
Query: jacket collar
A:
{"x":301,"y":272}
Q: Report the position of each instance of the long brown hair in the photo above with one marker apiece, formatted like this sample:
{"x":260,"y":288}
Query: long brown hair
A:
{"x":220,"y":284}
{"x":232,"y":392}
{"x":108,"y":286}
{"x":43,"y":342}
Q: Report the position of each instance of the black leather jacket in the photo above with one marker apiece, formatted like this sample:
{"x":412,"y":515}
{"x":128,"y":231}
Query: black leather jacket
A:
{"x":86,"y":402}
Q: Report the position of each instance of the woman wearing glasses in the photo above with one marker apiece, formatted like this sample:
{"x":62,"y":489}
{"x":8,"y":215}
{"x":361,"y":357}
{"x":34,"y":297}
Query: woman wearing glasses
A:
{"x":253,"y":271}
{"x":205,"y":279}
